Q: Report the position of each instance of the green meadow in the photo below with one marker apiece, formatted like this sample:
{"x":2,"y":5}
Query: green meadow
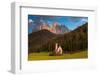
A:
{"x":45,"y":56}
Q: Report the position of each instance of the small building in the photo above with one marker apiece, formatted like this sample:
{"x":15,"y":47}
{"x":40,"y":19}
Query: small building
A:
{"x":58,"y":49}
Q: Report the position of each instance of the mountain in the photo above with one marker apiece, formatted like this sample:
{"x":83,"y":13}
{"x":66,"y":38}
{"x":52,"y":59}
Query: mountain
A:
{"x":59,"y":28}
{"x":39,"y":38}
{"x":54,"y":28}
{"x":64,"y":29}
{"x":76,"y":40}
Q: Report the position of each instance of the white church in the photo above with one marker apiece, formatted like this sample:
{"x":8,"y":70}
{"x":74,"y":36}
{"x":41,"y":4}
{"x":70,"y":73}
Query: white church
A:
{"x":58,"y":49}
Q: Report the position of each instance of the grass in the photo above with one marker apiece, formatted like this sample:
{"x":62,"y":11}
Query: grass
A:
{"x":45,"y":56}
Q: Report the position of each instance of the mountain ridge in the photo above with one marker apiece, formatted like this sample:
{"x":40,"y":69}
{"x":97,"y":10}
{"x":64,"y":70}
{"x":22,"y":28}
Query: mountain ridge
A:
{"x":54,"y":28}
{"x":72,"y":41}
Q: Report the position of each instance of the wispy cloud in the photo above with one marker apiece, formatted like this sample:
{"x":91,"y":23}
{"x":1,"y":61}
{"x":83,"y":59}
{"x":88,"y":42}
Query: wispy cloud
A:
{"x":30,"y":21}
{"x":84,"y":20}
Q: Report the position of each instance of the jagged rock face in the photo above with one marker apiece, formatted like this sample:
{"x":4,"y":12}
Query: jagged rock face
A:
{"x":55,"y":28}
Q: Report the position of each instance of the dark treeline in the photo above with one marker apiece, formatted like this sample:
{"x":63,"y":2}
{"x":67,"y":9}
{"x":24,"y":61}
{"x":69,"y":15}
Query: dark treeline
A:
{"x":76,"y":40}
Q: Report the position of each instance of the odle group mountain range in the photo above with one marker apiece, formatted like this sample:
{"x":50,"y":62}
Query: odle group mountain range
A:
{"x":73,"y":41}
{"x":55,"y":28}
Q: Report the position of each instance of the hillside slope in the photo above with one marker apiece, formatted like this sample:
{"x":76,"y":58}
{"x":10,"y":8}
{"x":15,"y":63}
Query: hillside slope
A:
{"x":36,"y":39}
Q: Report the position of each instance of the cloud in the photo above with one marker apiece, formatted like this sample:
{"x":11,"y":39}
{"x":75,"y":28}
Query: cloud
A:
{"x":84,"y":20}
{"x":30,"y":21}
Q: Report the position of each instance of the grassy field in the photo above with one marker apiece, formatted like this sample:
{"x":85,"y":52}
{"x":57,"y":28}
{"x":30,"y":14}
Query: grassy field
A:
{"x":45,"y":56}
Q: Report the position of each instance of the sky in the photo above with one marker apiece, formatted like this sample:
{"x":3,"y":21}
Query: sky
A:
{"x":71,"y":22}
